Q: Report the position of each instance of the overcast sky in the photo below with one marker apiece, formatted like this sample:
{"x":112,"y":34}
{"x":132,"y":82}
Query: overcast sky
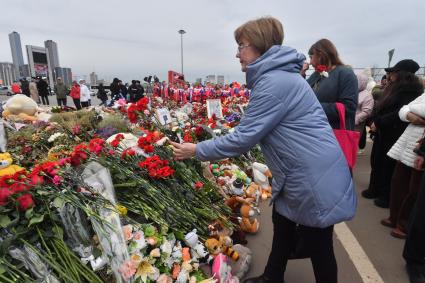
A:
{"x":131,"y":39}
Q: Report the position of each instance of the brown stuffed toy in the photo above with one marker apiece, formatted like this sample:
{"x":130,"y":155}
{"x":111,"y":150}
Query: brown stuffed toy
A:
{"x":248,"y":224}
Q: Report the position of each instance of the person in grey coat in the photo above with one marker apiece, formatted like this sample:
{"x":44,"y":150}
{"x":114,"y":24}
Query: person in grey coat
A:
{"x":312,"y":185}
{"x":61,"y":91}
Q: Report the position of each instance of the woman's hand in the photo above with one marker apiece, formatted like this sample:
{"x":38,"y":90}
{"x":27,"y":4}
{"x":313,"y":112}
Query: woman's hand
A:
{"x":183,"y":150}
{"x":373,"y":127}
{"x":415,"y":119}
{"x":419,"y":163}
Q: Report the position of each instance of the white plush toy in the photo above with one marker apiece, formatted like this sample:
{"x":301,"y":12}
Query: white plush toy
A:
{"x":261,"y":174}
{"x":197,"y":249}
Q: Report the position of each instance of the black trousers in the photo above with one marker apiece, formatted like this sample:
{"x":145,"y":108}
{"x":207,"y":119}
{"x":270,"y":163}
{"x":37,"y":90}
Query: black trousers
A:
{"x":45,"y":99}
{"x":414,"y":248}
{"x":61,"y":101}
{"x":77,"y":103}
{"x":382,"y":169}
{"x":318,"y":241}
{"x":85,"y":104}
{"x":362,"y":141}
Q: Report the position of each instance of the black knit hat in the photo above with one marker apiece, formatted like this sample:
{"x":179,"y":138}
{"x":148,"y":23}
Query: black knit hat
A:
{"x":406,"y":65}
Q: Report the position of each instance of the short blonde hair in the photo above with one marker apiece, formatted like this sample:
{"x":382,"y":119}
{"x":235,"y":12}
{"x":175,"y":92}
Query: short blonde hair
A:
{"x":261,"y":33}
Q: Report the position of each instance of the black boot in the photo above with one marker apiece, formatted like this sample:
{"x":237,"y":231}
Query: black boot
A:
{"x":369,"y":194}
{"x":261,"y":279}
{"x":416,"y":273}
{"x":382,"y":202}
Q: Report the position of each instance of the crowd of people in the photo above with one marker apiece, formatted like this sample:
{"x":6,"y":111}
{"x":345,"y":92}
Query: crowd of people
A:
{"x":293,"y":118}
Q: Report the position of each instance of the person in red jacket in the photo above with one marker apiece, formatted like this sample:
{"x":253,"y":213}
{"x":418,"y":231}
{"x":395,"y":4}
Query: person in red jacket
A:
{"x":16,"y":88}
{"x":75,"y":94}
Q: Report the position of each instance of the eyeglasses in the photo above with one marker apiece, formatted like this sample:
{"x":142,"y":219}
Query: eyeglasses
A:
{"x":241,"y":46}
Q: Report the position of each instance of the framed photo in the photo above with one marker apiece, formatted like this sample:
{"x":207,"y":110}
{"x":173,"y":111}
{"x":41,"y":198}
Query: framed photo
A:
{"x":163,"y":115}
{"x":214,"y":107}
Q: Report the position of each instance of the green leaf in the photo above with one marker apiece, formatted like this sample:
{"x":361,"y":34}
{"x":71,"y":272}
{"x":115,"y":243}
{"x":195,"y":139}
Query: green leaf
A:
{"x":58,"y":202}
{"x":97,"y":253}
{"x":36,"y":219}
{"x":58,"y":232}
{"x":4,"y":246}
{"x":4,"y":221}
{"x":179,"y":235}
{"x":2,"y":269}
{"x":29,"y":213}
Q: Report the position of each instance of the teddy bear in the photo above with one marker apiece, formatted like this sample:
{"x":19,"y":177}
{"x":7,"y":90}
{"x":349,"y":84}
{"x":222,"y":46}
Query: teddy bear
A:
{"x":253,"y":191}
{"x":221,"y":245}
{"x":248,"y":224}
{"x":6,"y":166}
{"x":20,"y":107}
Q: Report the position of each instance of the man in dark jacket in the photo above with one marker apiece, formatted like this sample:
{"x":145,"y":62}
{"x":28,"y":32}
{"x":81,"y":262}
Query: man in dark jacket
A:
{"x":140,"y":91}
{"x":25,"y":87}
{"x":132,"y":91}
{"x":61,"y":92}
{"x":43,"y":90}
{"x":115,"y":87}
{"x":123,"y":88}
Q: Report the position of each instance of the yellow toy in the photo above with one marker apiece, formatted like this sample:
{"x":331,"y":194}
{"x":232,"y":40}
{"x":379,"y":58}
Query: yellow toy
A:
{"x":222,"y":245}
{"x":6,"y":166}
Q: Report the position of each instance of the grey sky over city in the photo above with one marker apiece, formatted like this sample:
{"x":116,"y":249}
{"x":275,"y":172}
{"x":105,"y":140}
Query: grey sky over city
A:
{"x":132,"y":39}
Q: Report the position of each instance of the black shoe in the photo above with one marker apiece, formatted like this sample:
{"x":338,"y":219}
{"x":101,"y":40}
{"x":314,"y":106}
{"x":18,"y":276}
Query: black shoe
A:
{"x":261,"y":279}
{"x":369,"y":194}
{"x":383,"y":203}
{"x":416,"y":273}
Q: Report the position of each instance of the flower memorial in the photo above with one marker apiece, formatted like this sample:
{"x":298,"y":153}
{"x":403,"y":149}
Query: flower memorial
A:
{"x":96,"y":196}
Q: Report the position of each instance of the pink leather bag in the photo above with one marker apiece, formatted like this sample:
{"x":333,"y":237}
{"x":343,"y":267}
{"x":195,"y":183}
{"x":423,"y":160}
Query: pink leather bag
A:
{"x":348,"y":140}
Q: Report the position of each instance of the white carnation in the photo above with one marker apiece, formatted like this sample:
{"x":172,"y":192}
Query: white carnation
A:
{"x":53,"y":137}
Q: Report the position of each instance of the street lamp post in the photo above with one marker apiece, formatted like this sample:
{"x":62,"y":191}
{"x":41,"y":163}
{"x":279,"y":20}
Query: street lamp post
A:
{"x":181,"y":46}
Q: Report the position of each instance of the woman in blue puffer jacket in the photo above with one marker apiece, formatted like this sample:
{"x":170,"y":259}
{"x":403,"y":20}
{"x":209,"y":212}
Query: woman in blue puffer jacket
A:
{"x":312,"y":184}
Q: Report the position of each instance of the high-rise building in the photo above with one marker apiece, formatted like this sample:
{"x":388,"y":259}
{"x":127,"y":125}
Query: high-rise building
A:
{"x":220,"y":79}
{"x":52,"y":53}
{"x":39,"y":63}
{"x":16,"y":48}
{"x":7,"y":73}
{"x":210,"y":79}
{"x":93,"y":78}
{"x":65,"y":74}
{"x":24,"y":70}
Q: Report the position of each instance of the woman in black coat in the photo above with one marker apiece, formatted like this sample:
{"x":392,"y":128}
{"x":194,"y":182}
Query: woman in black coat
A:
{"x":402,"y":88}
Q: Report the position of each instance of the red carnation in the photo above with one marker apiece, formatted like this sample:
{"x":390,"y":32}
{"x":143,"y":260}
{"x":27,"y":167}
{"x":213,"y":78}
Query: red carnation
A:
{"x":127,"y":152}
{"x":25,"y":202}
{"x":148,"y":149}
{"x":321,"y":68}
{"x":5,"y":193}
{"x":96,"y":145}
{"x":78,"y":155}
{"x":198,"y":185}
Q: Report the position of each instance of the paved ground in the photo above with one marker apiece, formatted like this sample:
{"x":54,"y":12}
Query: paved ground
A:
{"x":383,"y":250}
